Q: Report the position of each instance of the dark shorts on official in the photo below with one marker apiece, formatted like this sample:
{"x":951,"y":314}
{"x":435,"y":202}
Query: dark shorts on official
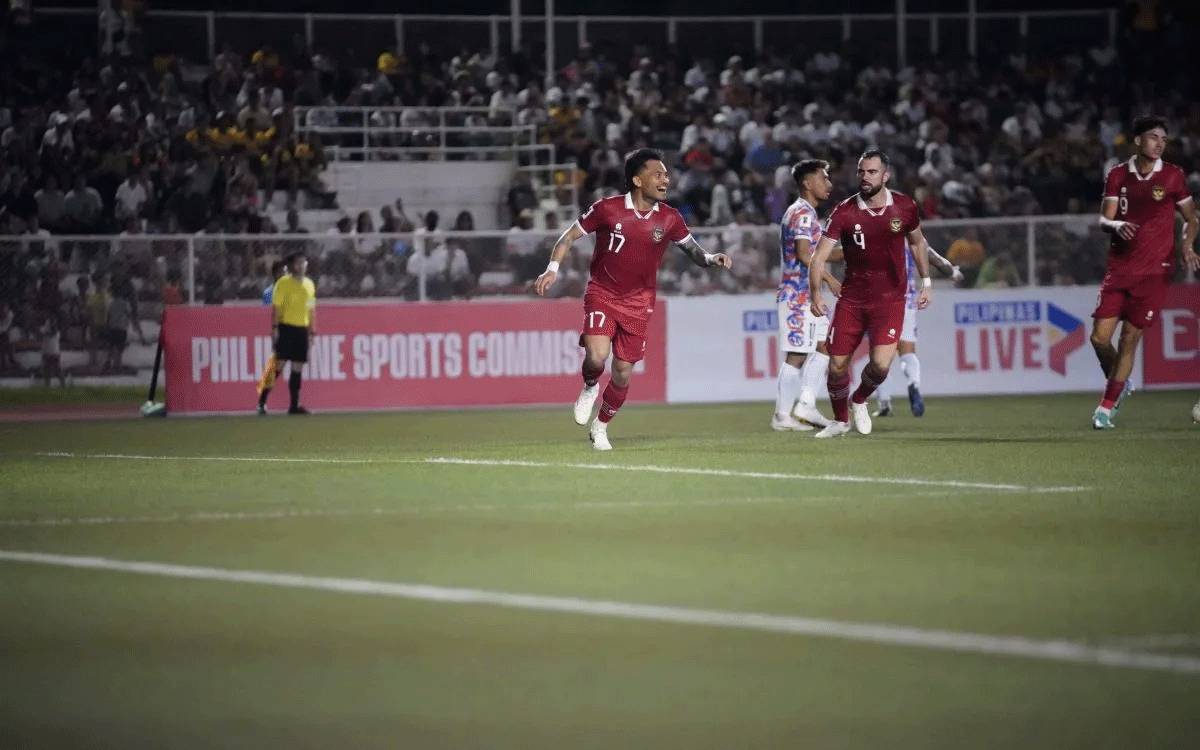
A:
{"x":292,"y":343}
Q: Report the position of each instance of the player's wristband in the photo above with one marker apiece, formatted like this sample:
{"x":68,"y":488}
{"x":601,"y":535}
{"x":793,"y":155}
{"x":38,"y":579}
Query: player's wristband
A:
{"x":708,"y":258}
{"x":926,"y":282}
{"x":552,"y":266}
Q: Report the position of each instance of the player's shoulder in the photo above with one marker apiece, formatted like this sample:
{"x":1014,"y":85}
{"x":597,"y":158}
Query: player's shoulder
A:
{"x":800,"y":207}
{"x":903,"y":201}
{"x":1174,"y":171}
{"x":847,"y":204}
{"x":609,"y":204}
{"x":671,"y":212}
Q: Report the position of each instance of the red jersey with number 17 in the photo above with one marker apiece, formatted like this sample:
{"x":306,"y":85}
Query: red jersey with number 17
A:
{"x":630,"y":245}
{"x":1148,"y":201}
{"x":873,"y":240}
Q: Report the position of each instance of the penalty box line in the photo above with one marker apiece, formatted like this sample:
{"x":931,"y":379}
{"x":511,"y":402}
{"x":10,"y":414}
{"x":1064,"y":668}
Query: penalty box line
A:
{"x":881,"y":634}
{"x":683,"y":470}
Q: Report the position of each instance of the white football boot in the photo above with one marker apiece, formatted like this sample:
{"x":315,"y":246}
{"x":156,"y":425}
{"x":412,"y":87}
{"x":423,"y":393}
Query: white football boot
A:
{"x":861,"y":416}
{"x":787,"y":424}
{"x":834,"y":429}
{"x":585,"y":403}
{"x":598,"y":434}
{"x":811,"y":414}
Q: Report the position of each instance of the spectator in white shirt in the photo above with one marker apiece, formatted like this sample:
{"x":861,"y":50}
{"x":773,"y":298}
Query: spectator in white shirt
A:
{"x":132,"y":196}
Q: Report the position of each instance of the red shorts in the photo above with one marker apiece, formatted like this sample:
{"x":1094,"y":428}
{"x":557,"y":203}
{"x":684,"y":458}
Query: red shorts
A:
{"x":1136,"y":298}
{"x":882,"y":321}
{"x":627,"y":329}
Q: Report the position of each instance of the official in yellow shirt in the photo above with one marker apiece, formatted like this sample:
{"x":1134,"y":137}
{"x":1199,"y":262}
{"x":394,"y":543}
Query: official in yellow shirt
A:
{"x":293,"y":320}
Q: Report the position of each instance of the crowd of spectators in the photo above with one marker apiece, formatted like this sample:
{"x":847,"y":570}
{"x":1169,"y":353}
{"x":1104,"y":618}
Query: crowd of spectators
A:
{"x":134,"y":143}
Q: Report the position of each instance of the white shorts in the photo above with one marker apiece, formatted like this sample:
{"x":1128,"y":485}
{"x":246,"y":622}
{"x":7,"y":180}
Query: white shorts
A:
{"x":908,"y":332}
{"x":799,"y":330}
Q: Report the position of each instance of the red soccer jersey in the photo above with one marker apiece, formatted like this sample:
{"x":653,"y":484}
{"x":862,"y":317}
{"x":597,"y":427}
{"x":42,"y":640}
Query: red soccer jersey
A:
{"x":1148,"y":201}
{"x":873,"y":242}
{"x":629,"y":248}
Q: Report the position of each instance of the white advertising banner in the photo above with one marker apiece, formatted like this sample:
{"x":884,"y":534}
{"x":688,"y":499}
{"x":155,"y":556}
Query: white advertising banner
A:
{"x":722,"y":348}
{"x":970,"y":342}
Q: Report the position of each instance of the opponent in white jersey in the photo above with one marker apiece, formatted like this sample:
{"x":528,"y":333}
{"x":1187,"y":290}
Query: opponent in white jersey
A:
{"x":801,"y":334}
{"x":907,"y":348}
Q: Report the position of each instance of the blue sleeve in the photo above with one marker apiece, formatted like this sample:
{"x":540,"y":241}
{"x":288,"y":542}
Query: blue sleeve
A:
{"x":268,"y":295}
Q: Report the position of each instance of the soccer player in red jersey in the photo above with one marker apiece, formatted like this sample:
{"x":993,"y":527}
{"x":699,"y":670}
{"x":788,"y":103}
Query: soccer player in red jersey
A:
{"x":1141,"y":197}
{"x":632,"y":232}
{"x":871,"y":228}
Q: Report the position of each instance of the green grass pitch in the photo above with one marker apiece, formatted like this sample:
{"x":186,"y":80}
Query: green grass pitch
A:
{"x":1029,"y":524}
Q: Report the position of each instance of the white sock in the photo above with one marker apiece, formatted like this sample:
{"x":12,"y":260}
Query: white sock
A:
{"x":815,"y":370}
{"x":787,"y":388}
{"x":912,"y":368}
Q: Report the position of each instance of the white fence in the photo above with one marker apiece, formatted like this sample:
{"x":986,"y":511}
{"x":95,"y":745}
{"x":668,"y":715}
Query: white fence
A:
{"x":1063,"y":250}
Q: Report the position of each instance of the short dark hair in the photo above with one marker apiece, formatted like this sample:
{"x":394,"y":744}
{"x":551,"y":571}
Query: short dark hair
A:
{"x":278,"y":267}
{"x":636,"y":161}
{"x":1148,"y":122}
{"x":803,"y":169}
{"x":879,"y":154}
{"x":291,"y":258}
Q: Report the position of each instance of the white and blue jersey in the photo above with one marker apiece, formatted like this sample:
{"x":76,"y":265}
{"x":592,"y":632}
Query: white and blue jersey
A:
{"x":269,"y":294}
{"x":799,"y":329}
{"x":909,"y":330}
{"x":800,"y":222}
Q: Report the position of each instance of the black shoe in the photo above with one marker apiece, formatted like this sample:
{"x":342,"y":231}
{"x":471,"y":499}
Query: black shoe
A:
{"x":297,"y":410}
{"x":262,"y":410}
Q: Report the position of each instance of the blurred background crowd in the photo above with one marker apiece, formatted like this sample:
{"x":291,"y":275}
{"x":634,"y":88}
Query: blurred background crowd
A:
{"x":157,"y":151}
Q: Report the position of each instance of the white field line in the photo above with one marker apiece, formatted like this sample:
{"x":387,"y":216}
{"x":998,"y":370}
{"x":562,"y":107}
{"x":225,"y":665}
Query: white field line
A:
{"x":890,"y":635}
{"x":293,"y":513}
{"x":953,"y":483}
{"x":1154,"y":642}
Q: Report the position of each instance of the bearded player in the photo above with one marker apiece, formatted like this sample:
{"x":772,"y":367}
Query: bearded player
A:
{"x":801,"y":334}
{"x":632,"y":232}
{"x":871,"y":228}
{"x":1141,"y":197}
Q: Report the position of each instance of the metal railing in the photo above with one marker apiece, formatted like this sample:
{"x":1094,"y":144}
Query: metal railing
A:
{"x":358,"y":38}
{"x":1056,"y":250}
{"x":389,"y":133}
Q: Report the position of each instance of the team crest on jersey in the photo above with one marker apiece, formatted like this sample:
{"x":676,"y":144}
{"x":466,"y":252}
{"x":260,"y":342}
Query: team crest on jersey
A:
{"x":1159,"y":192}
{"x":896,"y":224}
{"x":658,"y":234}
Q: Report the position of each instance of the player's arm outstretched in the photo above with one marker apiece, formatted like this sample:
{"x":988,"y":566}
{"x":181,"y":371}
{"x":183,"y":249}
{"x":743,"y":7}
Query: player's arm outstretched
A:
{"x":561,"y":248}
{"x":1187,"y":249}
{"x":692,"y":249}
{"x":920,"y":252}
{"x":817,"y":273}
{"x":944,"y":265}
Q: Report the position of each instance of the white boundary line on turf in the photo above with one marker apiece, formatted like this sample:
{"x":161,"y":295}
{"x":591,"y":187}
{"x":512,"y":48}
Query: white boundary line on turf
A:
{"x":1155,"y":641}
{"x":350,"y":513}
{"x":889,"y":635}
{"x":957,"y":484}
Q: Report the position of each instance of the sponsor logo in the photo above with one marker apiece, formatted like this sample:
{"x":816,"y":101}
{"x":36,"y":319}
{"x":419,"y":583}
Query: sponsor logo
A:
{"x":895,"y":224}
{"x":1005,"y":335}
{"x":658,"y":234}
{"x":1159,"y":192}
{"x":760,"y":320}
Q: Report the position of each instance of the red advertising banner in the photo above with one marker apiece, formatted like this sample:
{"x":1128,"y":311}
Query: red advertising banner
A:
{"x":392,"y":356}
{"x":1171,"y":349}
